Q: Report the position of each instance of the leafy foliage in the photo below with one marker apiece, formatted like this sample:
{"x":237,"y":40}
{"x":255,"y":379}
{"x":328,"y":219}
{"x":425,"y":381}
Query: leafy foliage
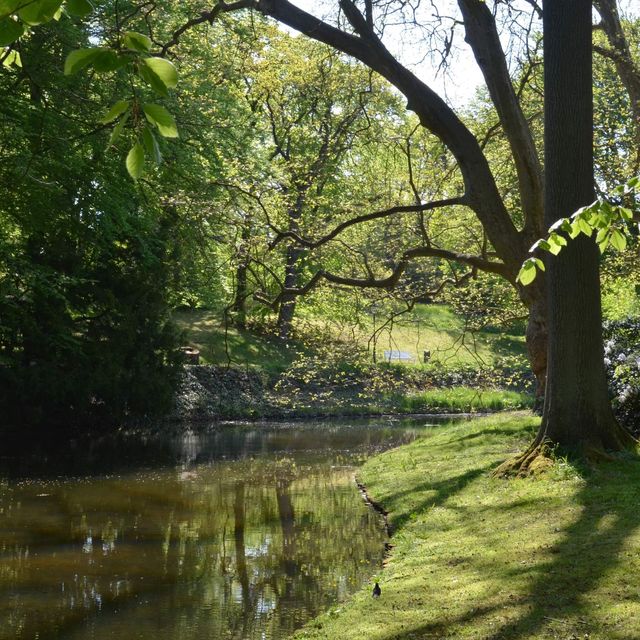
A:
{"x":609,"y":220}
{"x":85,"y":268}
{"x":622,"y":362}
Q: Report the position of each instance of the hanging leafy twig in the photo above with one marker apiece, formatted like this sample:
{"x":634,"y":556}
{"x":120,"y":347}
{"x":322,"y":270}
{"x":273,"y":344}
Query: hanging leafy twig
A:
{"x":609,"y":221}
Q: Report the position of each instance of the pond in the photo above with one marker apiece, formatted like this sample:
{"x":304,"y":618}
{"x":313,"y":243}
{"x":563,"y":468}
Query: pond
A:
{"x":240,"y":532}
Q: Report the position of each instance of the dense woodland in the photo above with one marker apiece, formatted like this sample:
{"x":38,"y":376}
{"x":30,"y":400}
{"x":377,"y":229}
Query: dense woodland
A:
{"x":298,"y":189}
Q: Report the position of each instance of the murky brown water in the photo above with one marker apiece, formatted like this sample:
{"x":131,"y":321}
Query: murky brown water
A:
{"x":244,"y":532}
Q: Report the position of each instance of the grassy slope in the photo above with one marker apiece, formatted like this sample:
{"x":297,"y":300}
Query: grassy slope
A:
{"x":205,"y":331}
{"x":432,"y":327}
{"x":438,"y":329}
{"x":483,"y":558}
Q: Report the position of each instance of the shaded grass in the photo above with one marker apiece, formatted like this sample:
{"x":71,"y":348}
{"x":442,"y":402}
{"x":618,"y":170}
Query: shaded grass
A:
{"x":555,"y":556}
{"x":219,"y":345}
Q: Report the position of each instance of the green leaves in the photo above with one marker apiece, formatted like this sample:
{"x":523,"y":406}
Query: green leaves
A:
{"x":135,"y":161}
{"x":101,"y":58}
{"x":151,"y":145}
{"x":39,"y":12}
{"x":618,"y":240}
{"x":160,"y":74}
{"x":7,"y":7}
{"x":118,"y":129}
{"x":610,"y":222}
{"x":137,"y":42}
{"x":12,"y":58}
{"x":80,"y":8}
{"x":10,"y":31}
{"x":115,"y":112}
{"x":529,"y":271}
{"x":157,"y":116}
{"x":79,"y":59}
{"x":161,"y":118}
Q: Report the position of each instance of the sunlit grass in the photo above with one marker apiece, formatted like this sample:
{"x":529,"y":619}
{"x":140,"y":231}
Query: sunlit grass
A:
{"x":433,"y":328}
{"x":437,"y":329}
{"x":464,"y":399}
{"x":555,"y":556}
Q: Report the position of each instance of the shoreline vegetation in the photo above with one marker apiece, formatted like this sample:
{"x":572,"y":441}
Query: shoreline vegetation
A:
{"x":210,"y":393}
{"x":248,"y":374}
{"x":476,"y":556}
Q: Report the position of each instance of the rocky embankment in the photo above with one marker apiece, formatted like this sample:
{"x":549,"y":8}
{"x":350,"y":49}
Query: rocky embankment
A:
{"x":208,"y":392}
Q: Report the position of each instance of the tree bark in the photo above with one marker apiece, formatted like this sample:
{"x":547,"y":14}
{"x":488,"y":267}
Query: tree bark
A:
{"x":535,"y":299}
{"x":577,"y":412}
{"x":433,"y":112}
{"x":287,"y":309}
{"x":239,"y":306}
{"x":482,"y":36}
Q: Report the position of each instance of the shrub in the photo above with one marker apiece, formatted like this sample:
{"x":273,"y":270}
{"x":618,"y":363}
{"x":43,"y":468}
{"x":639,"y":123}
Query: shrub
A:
{"x":622,"y":362}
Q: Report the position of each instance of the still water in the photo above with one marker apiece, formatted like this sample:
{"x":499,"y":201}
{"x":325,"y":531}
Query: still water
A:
{"x":240,"y":532}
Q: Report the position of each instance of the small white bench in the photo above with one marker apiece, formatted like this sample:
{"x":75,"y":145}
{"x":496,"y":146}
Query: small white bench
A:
{"x":398,"y":356}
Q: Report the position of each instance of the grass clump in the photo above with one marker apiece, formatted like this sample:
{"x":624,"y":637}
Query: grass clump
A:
{"x":465,"y":400}
{"x":556,"y":556}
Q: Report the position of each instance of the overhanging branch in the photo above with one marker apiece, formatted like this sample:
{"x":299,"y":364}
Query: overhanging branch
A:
{"x":476,"y":262}
{"x":367,"y":217}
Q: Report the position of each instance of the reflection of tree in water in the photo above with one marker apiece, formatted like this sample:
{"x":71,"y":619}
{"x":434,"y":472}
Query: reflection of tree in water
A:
{"x":230,"y":550}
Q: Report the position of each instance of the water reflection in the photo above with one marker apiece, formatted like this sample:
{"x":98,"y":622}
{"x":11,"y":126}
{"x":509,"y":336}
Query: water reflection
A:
{"x":242,"y":532}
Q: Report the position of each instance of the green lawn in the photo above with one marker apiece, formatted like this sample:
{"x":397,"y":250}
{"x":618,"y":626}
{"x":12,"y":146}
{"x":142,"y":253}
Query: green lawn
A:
{"x":556,"y":556}
{"x":463,"y":399}
{"x":433,"y":328}
{"x":219,"y":345}
{"x":436,"y":328}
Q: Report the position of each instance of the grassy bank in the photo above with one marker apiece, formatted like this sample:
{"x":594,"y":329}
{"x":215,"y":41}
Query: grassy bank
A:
{"x":251,"y":374}
{"x":435,"y":328}
{"x":557,"y":556}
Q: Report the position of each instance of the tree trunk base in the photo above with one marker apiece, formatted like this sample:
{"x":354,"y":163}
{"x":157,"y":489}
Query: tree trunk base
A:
{"x":535,"y":460}
{"x":541,"y":454}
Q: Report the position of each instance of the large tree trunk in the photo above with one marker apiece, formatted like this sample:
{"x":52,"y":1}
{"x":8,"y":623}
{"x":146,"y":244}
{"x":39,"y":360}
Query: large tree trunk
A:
{"x":577,"y":412}
{"x":287,"y":308}
{"x":239,"y":306}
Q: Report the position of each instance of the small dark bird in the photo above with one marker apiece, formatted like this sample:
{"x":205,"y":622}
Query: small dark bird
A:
{"x":377,"y":591}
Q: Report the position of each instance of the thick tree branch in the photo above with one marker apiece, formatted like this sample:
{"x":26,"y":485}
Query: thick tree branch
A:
{"x":482,"y":35}
{"x":433,"y":112}
{"x":367,"y":217}
{"x":393,"y":278}
{"x":205,"y":16}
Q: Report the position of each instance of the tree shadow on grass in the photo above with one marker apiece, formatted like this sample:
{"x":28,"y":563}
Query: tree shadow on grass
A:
{"x":484,"y":432}
{"x":560,"y":601}
{"x":591,"y":546}
{"x":438,"y":493}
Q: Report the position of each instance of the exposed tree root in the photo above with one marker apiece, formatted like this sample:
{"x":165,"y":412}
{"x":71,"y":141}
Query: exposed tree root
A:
{"x":539,"y":456}
{"x":535,"y":460}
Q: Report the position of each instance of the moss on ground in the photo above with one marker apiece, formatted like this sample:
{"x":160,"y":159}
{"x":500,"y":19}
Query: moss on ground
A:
{"x":556,"y":556}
